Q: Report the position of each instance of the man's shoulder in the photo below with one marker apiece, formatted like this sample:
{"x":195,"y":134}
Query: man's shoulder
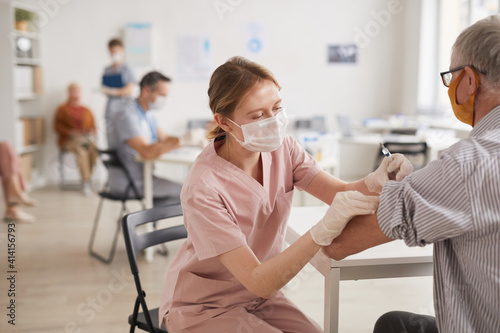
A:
{"x":124,"y":108}
{"x":474,"y":149}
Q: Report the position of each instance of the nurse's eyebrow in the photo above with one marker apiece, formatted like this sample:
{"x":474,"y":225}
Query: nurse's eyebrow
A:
{"x":263,"y":109}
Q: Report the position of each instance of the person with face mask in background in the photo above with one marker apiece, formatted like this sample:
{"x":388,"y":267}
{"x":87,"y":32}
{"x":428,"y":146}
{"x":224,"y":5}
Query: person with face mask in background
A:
{"x":118,"y":80}
{"x":453,"y":203}
{"x":132,"y":130}
{"x":227,"y":275}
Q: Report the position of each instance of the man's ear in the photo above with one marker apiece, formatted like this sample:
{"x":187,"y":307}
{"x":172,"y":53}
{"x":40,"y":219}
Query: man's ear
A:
{"x":471,"y":80}
{"x":222,"y":122}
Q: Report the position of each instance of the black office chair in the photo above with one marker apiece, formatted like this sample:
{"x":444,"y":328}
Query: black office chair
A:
{"x":415,"y":152}
{"x":148,"y":319}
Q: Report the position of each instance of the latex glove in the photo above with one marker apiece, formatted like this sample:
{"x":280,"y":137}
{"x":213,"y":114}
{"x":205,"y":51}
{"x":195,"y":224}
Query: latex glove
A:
{"x":344,"y":207}
{"x":398,"y":169}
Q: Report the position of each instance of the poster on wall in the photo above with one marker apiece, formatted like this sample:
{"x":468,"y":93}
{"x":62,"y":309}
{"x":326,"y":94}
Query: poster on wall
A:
{"x":342,"y":53}
{"x":138,"y":44}
{"x":255,"y":40}
{"x":194,"y":57}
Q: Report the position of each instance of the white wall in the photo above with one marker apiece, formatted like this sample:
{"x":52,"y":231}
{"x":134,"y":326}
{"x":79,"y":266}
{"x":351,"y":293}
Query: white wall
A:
{"x":76,"y":33}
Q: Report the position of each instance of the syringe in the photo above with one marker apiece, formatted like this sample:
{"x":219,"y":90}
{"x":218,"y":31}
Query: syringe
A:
{"x":385,"y":151}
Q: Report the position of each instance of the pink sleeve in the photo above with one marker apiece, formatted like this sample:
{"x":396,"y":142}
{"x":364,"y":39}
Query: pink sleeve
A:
{"x":210,"y":227}
{"x":305,"y":168}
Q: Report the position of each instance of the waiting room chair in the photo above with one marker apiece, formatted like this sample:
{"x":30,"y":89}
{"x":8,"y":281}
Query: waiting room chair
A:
{"x":134,"y":242}
{"x":110,"y":160}
{"x":415,"y":152}
{"x":67,"y":160}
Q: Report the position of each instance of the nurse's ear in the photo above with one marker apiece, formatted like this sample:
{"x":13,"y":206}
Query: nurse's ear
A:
{"x":222,"y":122}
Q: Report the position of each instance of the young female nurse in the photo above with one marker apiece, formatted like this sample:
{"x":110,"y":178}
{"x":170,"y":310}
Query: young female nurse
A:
{"x":227,"y":275}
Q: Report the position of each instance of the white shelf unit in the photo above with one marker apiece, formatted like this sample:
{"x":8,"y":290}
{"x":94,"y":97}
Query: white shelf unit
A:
{"x":21,"y":88}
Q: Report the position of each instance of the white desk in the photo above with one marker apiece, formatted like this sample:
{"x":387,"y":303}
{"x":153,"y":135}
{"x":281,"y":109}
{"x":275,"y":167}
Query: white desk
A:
{"x":389,"y":260}
{"x":184,"y":155}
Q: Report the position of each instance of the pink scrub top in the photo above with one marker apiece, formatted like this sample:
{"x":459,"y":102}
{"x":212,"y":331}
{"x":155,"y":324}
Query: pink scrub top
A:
{"x":224,"y":208}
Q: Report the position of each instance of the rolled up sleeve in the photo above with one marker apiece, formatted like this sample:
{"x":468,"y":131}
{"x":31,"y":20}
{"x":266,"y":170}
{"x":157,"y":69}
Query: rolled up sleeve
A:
{"x":428,"y":206}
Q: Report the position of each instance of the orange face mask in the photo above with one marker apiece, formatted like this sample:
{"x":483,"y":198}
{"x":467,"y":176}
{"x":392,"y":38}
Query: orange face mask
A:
{"x":463,"y":112}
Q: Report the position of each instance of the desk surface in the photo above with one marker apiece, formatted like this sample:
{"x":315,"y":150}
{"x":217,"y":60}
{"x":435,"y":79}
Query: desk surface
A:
{"x":396,"y":252}
{"x":183,"y":155}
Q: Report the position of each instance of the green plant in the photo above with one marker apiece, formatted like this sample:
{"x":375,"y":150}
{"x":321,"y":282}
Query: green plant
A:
{"x":23,"y":15}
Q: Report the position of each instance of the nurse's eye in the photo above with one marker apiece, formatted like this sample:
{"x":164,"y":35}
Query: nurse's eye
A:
{"x":277,"y":109}
{"x":259,"y":115}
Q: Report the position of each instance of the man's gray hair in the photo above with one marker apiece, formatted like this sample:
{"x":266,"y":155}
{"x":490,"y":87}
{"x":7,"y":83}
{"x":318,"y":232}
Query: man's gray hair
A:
{"x":479,"y":46}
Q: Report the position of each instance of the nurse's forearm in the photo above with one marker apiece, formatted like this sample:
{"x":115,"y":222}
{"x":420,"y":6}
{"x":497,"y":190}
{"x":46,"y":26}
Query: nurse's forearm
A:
{"x":267,"y":278}
{"x":275,"y":273}
{"x":324,"y":187}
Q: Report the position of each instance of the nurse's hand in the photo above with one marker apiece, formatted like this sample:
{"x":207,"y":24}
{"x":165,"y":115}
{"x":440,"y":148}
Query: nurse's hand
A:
{"x":344,"y":207}
{"x":398,"y":169}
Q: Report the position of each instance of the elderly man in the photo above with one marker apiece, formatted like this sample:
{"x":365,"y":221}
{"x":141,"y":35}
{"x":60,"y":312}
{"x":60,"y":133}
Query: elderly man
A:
{"x":453,"y":203}
{"x":75,"y":126}
{"x":133,"y":131}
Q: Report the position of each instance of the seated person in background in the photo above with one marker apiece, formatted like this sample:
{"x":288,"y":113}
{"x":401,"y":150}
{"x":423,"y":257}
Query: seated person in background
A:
{"x":13,"y":185}
{"x":76,"y":128}
{"x":133,"y":131}
{"x":118,"y":80}
{"x":453,"y":202}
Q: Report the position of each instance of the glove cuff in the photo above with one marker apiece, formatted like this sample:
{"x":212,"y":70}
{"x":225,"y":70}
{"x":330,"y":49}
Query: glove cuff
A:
{"x":321,"y":235}
{"x":371,"y":184}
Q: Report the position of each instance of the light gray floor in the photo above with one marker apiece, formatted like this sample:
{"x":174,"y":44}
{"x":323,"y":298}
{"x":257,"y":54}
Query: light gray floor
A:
{"x":60,"y":288}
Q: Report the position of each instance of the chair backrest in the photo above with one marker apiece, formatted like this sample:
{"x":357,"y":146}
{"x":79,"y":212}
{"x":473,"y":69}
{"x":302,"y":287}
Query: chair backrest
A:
{"x":136,"y":242}
{"x":110,"y":159}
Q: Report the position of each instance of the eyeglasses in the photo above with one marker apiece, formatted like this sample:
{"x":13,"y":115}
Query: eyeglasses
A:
{"x":446,"y":76}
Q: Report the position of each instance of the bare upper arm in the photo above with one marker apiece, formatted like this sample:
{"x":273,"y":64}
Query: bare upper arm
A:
{"x":361,"y":233}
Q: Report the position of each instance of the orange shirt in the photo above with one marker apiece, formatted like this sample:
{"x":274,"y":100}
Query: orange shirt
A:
{"x":69,"y":119}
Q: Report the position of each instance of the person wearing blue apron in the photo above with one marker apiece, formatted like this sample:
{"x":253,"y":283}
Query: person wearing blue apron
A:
{"x":118,"y":79}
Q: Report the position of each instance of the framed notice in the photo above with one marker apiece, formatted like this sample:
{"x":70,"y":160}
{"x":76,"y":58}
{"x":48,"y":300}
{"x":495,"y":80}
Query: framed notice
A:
{"x":138,"y":44}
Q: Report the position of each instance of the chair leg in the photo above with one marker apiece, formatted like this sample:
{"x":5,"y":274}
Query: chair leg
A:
{"x":111,"y":254}
{"x":61,"y":169}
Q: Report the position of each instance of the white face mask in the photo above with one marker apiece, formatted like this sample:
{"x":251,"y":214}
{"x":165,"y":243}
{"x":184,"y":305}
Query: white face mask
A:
{"x":117,"y":57}
{"x":265,"y":135}
{"x":159,"y":102}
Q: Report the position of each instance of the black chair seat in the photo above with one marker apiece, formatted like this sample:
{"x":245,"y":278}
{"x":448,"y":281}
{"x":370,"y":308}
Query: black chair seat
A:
{"x":116,"y":196}
{"x":143,"y":325}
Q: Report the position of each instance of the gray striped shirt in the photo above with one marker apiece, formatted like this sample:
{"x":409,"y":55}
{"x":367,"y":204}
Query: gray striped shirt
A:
{"x":454,"y":203}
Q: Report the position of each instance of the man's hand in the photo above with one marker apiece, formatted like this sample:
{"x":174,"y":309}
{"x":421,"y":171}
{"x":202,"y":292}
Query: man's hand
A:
{"x":171,"y":143}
